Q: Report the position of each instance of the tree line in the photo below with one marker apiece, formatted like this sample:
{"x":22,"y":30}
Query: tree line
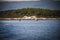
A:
{"x":38,"y":12}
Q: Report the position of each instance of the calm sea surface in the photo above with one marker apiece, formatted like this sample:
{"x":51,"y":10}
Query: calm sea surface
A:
{"x":29,"y":30}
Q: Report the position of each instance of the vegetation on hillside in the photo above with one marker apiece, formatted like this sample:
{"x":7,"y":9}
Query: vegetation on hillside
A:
{"x":30,"y":12}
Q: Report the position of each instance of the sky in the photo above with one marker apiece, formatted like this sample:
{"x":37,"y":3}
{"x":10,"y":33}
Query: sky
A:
{"x":20,"y":0}
{"x":25,"y":0}
{"x":46,"y":4}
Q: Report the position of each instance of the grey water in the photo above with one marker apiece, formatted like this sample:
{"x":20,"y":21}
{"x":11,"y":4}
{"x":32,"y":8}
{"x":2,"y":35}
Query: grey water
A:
{"x":29,"y":30}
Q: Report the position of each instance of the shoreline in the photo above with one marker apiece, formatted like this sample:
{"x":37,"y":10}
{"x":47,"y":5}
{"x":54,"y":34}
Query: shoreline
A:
{"x":30,"y":19}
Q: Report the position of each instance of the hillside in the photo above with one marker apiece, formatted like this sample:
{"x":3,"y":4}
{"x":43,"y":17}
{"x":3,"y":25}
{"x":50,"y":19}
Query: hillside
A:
{"x":38,"y":12}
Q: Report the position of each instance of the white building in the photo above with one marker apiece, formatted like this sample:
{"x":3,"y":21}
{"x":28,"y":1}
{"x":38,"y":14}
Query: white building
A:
{"x":26,"y":17}
{"x":30,"y":17}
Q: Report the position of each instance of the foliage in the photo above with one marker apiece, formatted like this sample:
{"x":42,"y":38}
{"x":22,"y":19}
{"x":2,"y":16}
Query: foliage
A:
{"x":29,"y":12}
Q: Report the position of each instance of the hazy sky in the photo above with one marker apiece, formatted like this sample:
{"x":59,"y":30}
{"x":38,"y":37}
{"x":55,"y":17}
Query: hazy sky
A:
{"x":20,"y":0}
{"x":48,"y":4}
{"x":29,"y":0}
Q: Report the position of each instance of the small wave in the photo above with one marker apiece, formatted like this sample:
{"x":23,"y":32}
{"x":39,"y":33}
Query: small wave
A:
{"x":7,"y":24}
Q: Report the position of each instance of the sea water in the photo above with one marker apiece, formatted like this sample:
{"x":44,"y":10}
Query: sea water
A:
{"x":29,"y":30}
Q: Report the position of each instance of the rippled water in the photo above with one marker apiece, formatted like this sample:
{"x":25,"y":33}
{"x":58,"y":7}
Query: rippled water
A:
{"x":29,"y":30}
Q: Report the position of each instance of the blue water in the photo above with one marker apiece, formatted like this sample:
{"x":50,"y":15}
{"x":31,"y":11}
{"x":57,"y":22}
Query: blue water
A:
{"x":29,"y":30}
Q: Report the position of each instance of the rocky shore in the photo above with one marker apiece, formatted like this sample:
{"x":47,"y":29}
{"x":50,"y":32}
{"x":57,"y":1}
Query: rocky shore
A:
{"x":29,"y":19}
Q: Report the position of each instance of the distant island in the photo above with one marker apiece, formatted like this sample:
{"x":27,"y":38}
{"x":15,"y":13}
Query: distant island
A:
{"x":37,"y":12}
